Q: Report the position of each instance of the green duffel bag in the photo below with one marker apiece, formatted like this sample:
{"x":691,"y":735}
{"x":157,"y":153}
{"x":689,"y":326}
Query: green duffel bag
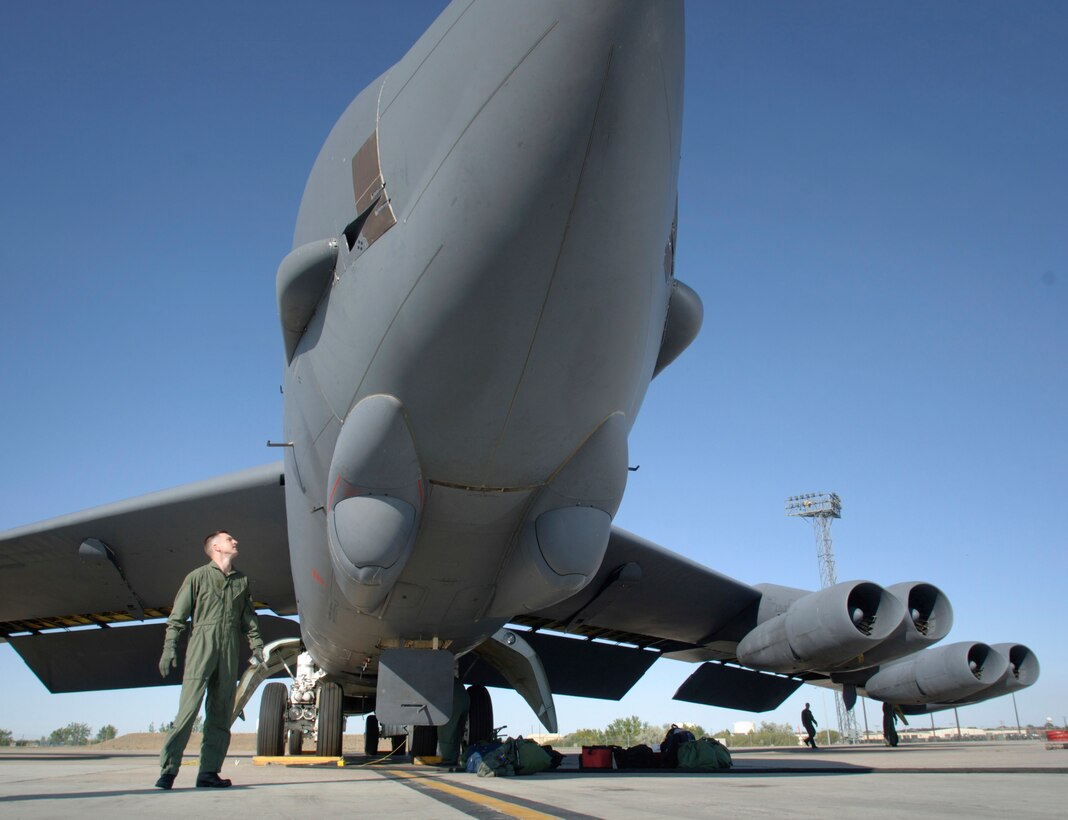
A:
{"x":704,"y":755}
{"x":531,"y":757}
{"x":723,"y":754}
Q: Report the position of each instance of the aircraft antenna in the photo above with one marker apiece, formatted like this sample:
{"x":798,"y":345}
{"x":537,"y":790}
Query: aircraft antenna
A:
{"x":821,"y":509}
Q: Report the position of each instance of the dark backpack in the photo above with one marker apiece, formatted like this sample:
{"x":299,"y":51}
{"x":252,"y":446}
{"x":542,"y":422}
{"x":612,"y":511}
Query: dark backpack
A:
{"x":669,"y":747}
{"x":555,"y":758}
{"x":636,"y":757}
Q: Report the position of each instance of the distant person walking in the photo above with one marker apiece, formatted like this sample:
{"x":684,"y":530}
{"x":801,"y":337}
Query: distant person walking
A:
{"x":891,"y":713}
{"x":217,"y":598}
{"x":809,"y":723}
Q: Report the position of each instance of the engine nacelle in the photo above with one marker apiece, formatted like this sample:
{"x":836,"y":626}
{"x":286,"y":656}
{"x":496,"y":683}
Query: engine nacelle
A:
{"x":928,"y":619}
{"x":941,"y":675}
{"x":1023,"y":667}
{"x":1022,"y":671}
{"x":819,"y":630}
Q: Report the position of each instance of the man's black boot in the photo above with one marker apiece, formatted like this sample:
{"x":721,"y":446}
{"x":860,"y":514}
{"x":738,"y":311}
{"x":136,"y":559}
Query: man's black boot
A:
{"x":165,"y":781}
{"x":211,"y":780}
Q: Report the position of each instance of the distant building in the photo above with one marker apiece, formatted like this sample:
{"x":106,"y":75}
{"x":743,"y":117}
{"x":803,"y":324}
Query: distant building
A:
{"x":743,"y":727}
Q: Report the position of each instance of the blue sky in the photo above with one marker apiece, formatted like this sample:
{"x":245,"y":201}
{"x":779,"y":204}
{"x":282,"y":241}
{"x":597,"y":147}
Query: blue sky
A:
{"x":873,"y":207}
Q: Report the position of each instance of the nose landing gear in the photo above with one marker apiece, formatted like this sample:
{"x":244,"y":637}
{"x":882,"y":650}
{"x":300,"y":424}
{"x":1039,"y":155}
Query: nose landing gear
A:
{"x":312,"y":707}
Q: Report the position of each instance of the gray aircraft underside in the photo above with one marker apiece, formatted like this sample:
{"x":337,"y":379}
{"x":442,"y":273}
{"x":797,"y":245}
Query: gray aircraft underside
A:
{"x":480,"y":291}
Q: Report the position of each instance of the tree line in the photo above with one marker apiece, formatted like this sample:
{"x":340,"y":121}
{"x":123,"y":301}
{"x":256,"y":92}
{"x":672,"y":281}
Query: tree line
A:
{"x":81,"y":734}
{"x":73,"y":734}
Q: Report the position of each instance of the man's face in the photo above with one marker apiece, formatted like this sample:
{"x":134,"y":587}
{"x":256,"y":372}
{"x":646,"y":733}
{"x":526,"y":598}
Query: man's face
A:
{"x":225,"y":544}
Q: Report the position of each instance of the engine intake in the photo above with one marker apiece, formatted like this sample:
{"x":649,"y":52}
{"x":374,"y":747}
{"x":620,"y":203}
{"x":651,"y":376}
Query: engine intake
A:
{"x":928,"y":619}
{"x":1023,"y":666}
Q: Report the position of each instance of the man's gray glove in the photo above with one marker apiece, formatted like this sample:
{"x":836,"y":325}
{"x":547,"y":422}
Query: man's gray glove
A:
{"x":168,"y":660}
{"x":257,"y":655}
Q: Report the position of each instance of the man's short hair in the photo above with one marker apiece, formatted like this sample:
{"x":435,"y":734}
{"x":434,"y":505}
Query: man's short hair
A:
{"x":207,"y":541}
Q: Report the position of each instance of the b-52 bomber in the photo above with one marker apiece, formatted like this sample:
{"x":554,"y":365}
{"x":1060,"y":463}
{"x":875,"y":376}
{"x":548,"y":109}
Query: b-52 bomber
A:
{"x":480,"y":291}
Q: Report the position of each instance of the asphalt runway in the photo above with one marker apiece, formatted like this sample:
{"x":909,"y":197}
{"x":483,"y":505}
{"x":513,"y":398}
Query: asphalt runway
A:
{"x":967,"y":779}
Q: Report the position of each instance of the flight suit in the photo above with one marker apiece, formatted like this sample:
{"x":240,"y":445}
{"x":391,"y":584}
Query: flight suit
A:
{"x":451,"y":734}
{"x":222,"y":611}
{"x":809,"y":723}
{"x":890,"y":716}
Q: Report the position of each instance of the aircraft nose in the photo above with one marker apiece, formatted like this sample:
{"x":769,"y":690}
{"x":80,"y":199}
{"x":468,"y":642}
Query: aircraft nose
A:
{"x":508,"y":86}
{"x":527,"y":153}
{"x":530,"y":154}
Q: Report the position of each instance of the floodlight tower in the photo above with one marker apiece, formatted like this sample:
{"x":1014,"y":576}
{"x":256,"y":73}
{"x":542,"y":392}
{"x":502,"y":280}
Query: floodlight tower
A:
{"x":821,"y":509}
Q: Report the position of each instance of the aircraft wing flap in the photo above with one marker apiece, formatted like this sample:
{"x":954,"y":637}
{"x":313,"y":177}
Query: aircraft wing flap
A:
{"x":647,"y":595}
{"x":125,"y":561}
{"x":122,"y":657}
{"x":734,"y":687}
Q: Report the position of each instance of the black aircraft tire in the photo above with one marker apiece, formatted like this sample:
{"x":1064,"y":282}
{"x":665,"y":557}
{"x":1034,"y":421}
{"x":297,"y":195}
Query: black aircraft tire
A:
{"x":271,"y":732}
{"x":331,"y":720}
{"x":424,"y":741}
{"x":480,"y":718}
{"x":370,"y":736}
{"x":296,"y":742}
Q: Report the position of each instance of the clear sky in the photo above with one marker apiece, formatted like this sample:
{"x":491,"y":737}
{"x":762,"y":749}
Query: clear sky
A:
{"x":873,"y":207}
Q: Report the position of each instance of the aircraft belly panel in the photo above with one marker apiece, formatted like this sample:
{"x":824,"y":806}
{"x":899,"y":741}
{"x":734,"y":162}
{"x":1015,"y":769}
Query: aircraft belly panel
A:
{"x":459,"y":552}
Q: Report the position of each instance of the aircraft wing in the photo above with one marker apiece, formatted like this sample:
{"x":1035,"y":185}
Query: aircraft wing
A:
{"x":656,"y":603}
{"x":649,"y":596}
{"x":125,"y":561}
{"x":651,"y":603}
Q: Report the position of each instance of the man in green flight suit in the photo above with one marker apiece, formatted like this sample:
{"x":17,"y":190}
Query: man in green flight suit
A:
{"x":217,"y":597}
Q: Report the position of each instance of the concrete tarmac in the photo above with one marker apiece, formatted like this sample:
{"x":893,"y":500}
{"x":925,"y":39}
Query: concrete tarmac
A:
{"x":977,"y":780}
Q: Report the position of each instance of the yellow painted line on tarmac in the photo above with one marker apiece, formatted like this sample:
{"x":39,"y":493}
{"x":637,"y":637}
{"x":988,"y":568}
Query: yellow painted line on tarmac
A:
{"x":294,"y":760}
{"x":503,"y":806}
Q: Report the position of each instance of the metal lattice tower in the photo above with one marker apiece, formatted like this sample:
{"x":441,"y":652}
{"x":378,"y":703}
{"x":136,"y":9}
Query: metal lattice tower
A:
{"x":821,"y":509}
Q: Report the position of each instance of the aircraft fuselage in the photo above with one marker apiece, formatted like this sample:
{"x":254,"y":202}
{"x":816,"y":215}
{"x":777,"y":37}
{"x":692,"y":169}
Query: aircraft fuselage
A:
{"x":460,"y":399}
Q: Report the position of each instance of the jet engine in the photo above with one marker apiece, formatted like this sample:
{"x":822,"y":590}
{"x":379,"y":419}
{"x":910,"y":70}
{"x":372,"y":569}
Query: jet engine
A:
{"x":1021,"y":671}
{"x":1023,"y":667}
{"x":800,"y":630}
{"x":941,"y":675}
{"x":928,"y":619}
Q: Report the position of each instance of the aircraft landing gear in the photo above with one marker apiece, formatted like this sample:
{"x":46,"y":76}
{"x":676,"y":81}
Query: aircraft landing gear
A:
{"x":370,"y":736}
{"x":424,"y":741}
{"x":480,"y":717}
{"x":272,"y":720}
{"x":312,"y":707}
{"x":330,"y":722}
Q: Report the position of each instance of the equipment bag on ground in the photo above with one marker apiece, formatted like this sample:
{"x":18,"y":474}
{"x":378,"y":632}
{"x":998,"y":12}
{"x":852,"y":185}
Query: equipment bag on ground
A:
{"x":669,"y":747}
{"x":636,"y":757}
{"x":704,"y":755}
{"x":514,"y":756}
{"x":475,"y":753}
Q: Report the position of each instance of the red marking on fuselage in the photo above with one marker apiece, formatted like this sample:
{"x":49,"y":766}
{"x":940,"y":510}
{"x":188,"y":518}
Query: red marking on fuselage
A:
{"x":318,"y":577}
{"x":330,"y":502}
